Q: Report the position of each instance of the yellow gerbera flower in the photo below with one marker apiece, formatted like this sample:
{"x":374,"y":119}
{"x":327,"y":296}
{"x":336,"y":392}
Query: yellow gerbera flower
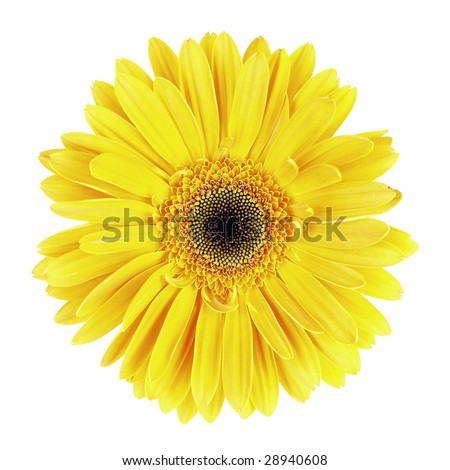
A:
{"x":228,"y":232}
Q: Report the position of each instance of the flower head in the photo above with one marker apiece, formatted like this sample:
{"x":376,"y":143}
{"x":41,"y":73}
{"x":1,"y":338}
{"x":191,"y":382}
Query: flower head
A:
{"x":228,"y":233}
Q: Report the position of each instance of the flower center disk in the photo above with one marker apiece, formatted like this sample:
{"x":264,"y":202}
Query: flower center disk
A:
{"x":226,"y":224}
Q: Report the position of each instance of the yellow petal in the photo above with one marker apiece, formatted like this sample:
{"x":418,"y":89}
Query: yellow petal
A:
{"x":321,"y":84}
{"x":211,"y":411}
{"x":106,"y":211}
{"x":248,"y":105}
{"x":314,"y":178}
{"x":372,"y":166}
{"x":75,"y":167}
{"x":152,"y":119}
{"x":345,"y":98}
{"x":237,"y":362}
{"x":130,"y":141}
{"x":318,"y":302}
{"x":104,"y":95}
{"x":303,"y":61}
{"x":347,"y":234}
{"x":282,"y":301}
{"x":279,"y":67}
{"x":258,"y":44}
{"x":66,"y":240}
{"x":366,"y":315}
{"x":122,"y":273}
{"x":187,"y":410}
{"x":286,"y":172}
{"x":182,"y":116}
{"x":146,"y":294}
{"x":264,"y":394}
{"x":301,"y":131}
{"x":226,"y":65}
{"x":380,"y":284}
{"x":207,"y":43}
{"x":344,"y":197}
{"x":402,"y":241}
{"x":60,"y":189}
{"x":326,"y":270}
{"x":381,"y":254}
{"x":76,"y":267}
{"x":338,"y":151}
{"x":331,"y":373}
{"x":77,"y":292}
{"x":119,"y":344}
{"x":143,"y":340}
{"x":180,"y":387}
{"x":267,"y":324}
{"x":136,"y":175}
{"x":110,"y":313}
{"x":207,"y":355}
{"x":343,"y":355}
{"x":120,"y":240}
{"x":67,"y":314}
{"x":198,"y":88}
{"x":289,"y":380}
{"x":174,"y":326}
{"x":129,"y":67}
{"x":163,"y":59}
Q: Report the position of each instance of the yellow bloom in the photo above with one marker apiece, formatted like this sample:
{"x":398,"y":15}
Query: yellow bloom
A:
{"x":228,"y":232}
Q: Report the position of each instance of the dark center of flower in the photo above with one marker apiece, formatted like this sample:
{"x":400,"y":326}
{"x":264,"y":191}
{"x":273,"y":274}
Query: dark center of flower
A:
{"x":227,"y":226}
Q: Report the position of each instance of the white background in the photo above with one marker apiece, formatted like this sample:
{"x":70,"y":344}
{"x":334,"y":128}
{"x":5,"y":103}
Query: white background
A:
{"x":59,"y":409}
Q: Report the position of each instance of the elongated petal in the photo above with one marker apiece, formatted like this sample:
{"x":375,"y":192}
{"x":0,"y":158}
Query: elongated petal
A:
{"x":258,"y":44}
{"x":110,"y":313}
{"x":76,"y":267}
{"x":66,"y":240}
{"x":279,"y":67}
{"x":104,"y":95}
{"x":237,"y":363}
{"x":76,"y":292}
{"x":136,"y":175}
{"x":198,"y":88}
{"x":339,"y":150}
{"x":175,"y":324}
{"x":182,"y":116}
{"x":187,"y":409}
{"x":344,"y":197}
{"x":126,"y":238}
{"x":129,"y":67}
{"x":248,"y":105}
{"x":226,"y":65}
{"x":343,"y":355}
{"x":347,"y":234}
{"x":331,"y":373}
{"x":280,"y":296}
{"x":321,"y":84}
{"x":142,"y":343}
{"x":163,"y":59}
{"x":303,"y":61}
{"x":211,"y":411}
{"x":207,"y":362}
{"x":345,"y":98}
{"x":365,"y":314}
{"x":319,"y":303}
{"x":67,"y":314}
{"x":380,"y":254}
{"x":207,"y":42}
{"x":131,"y":142}
{"x":152,"y":119}
{"x":106,"y":211}
{"x":146,"y":294}
{"x":60,"y":189}
{"x":326,"y":270}
{"x":314,"y":178}
{"x":264,"y":394}
{"x":402,"y":241}
{"x":380,"y":284}
{"x":122,"y":274}
{"x":301,"y":131}
{"x":266,"y":323}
